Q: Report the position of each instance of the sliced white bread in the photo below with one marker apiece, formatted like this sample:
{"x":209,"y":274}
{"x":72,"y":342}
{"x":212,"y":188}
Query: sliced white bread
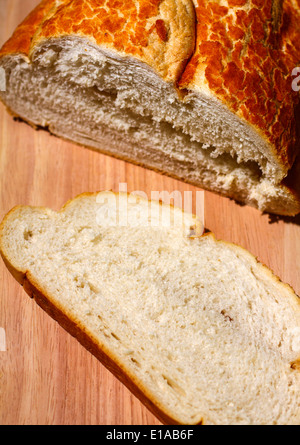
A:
{"x":197,"y":328}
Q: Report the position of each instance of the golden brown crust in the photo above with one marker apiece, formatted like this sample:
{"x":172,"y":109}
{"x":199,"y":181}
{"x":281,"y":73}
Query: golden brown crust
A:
{"x":20,"y":41}
{"x":160,"y":33}
{"x":245,"y":53}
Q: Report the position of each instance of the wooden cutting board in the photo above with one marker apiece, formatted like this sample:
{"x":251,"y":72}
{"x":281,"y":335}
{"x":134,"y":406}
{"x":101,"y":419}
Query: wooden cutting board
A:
{"x":46,"y":377}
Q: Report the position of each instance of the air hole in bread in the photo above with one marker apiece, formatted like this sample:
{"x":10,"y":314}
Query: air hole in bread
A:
{"x":296,"y":365}
{"x":115,"y":336}
{"x":28,"y":234}
{"x":135,"y":362}
{"x":174,"y":385}
{"x":226,"y":316}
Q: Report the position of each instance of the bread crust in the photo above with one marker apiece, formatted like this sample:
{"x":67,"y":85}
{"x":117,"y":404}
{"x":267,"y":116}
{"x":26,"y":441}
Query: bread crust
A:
{"x":238,"y":60}
{"x":20,"y":41}
{"x":160,"y":33}
{"x":244,"y":55}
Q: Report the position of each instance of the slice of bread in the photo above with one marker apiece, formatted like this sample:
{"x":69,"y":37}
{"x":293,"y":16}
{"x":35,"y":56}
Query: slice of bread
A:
{"x":197,"y":328}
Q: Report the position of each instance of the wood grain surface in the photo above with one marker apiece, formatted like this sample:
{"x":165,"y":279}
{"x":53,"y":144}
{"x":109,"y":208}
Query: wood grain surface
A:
{"x":46,"y":377}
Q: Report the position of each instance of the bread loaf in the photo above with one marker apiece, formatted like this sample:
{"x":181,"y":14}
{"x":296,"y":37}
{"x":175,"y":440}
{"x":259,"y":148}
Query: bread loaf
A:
{"x":195,"y":327}
{"x":200,"y":90}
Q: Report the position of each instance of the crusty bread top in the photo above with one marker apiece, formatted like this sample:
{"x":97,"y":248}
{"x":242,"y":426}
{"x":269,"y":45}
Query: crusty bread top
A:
{"x":245,"y":53}
{"x":20,"y":41}
{"x":160,"y":33}
{"x":244,"y":56}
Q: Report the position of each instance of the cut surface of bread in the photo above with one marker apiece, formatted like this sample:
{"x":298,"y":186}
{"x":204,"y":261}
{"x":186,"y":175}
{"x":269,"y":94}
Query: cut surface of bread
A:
{"x":138,"y":89}
{"x":195,"y":327}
